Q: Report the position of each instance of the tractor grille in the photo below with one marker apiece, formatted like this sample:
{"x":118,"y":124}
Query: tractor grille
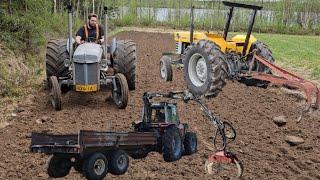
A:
{"x":86,"y":73}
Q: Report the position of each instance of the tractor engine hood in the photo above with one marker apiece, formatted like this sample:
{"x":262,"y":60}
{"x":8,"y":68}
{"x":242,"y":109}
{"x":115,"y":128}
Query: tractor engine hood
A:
{"x":88,"y":53}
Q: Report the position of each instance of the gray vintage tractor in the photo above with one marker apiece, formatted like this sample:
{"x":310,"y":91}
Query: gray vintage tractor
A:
{"x":91,"y":67}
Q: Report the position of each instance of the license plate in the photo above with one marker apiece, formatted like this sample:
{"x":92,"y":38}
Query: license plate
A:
{"x":86,"y":88}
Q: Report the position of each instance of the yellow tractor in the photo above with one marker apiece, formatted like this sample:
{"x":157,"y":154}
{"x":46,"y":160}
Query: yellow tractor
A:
{"x":210,"y":58}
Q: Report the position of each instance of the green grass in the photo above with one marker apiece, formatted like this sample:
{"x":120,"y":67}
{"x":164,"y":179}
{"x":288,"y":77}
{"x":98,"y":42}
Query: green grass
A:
{"x":295,"y":51}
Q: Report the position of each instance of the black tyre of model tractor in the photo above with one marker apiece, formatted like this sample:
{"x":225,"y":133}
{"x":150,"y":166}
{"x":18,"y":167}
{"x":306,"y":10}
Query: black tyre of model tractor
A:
{"x":205,"y":69}
{"x":166,"y":68}
{"x":190,"y":143}
{"x":95,"y":166}
{"x":140,"y":153}
{"x":124,"y":61}
{"x":120,"y":95}
{"x":78,"y":165}
{"x":119,"y":162}
{"x":55,"y":93}
{"x":55,"y":55}
{"x":58,"y":166}
{"x":172,"y":145}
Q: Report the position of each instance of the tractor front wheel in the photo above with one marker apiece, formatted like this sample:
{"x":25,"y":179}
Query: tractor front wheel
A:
{"x":55,"y":93}
{"x":166,"y":68}
{"x":120,"y":93}
{"x":190,"y":143}
{"x":172,"y":145}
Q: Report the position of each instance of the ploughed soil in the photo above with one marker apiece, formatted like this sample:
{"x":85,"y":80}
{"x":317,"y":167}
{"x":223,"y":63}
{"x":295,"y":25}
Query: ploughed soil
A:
{"x":260,"y":143}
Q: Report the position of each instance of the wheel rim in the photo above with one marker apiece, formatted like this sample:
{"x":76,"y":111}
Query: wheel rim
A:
{"x":121,"y":162}
{"x":99,"y":166}
{"x":197,"y":69}
{"x":163,"y":70}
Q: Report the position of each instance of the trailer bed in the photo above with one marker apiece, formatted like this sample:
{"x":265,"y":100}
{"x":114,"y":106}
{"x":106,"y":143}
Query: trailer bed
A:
{"x":86,"y":141}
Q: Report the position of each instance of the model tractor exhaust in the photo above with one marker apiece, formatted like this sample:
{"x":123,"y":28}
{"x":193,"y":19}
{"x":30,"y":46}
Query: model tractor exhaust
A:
{"x":209,"y":59}
{"x":91,"y":67}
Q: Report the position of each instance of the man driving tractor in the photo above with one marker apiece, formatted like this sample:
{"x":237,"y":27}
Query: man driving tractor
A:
{"x":91,"y":31}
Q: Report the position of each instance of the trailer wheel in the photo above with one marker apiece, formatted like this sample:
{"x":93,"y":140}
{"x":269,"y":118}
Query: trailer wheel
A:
{"x":190,"y":143}
{"x":166,"y":68}
{"x":58,"y":166}
{"x":95,"y":166}
{"x":78,"y":165}
{"x":55,"y":93}
{"x":120,"y":95}
{"x":172,"y":145}
{"x":119,"y":162}
{"x":205,"y":69}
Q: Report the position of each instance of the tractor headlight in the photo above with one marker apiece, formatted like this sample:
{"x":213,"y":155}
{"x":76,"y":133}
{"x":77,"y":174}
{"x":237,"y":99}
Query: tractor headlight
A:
{"x":67,"y":62}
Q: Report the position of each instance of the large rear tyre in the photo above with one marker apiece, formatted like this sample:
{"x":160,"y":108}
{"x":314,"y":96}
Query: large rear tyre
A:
{"x":172,"y":145}
{"x":58,"y":166}
{"x":166,"y":68}
{"x":121,"y":93}
{"x":190,"y":143}
{"x":55,"y":93}
{"x":95,"y":167}
{"x":119,"y":162}
{"x":55,"y":55}
{"x":263,"y":51}
{"x":205,"y":69}
{"x":125,"y":59}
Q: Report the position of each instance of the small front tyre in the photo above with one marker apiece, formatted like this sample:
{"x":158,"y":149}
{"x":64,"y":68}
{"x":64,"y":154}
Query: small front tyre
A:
{"x":55,"y":93}
{"x":120,"y":93}
{"x":166,"y":68}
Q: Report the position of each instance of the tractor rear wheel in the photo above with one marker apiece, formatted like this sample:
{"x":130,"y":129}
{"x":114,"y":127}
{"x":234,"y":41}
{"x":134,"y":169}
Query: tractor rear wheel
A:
{"x":264,"y":52}
{"x":205,"y":69}
{"x":121,"y":93}
{"x":55,"y":55}
{"x":172,"y":145}
{"x":124,"y":60}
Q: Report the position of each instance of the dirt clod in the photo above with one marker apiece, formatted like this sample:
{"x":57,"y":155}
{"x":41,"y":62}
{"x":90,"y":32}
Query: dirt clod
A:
{"x":280,"y":120}
{"x":294,"y":140}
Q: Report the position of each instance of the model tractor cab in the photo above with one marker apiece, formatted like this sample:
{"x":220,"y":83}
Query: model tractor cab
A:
{"x":173,"y":138}
{"x":160,"y":115}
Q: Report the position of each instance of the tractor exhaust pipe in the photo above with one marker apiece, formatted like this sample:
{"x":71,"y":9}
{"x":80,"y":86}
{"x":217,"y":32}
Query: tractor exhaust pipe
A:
{"x":105,"y":32}
{"x":191,"y":25}
{"x":69,"y":7}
